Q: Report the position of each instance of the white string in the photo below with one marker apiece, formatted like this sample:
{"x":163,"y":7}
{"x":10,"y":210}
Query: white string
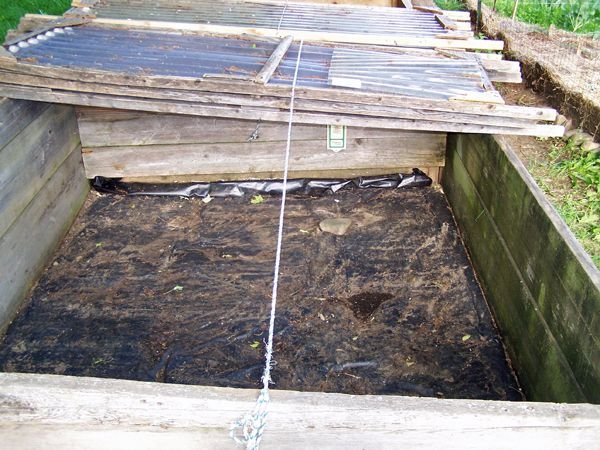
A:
{"x":253,"y":425}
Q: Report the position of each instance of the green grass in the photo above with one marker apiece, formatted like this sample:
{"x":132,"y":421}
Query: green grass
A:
{"x":451,"y":5}
{"x":12,"y":10}
{"x":581,"y":16}
{"x":571,"y":179}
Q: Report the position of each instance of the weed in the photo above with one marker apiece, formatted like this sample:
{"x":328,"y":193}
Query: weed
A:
{"x":582,"y":16}
{"x":451,"y":5}
{"x":571,"y":179}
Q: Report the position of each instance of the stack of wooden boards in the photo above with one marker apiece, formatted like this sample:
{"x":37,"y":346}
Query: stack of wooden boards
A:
{"x":235,"y":60}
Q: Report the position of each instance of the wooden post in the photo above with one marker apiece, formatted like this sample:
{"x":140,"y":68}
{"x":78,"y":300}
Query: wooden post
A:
{"x":515,"y":8}
{"x":274,"y":60}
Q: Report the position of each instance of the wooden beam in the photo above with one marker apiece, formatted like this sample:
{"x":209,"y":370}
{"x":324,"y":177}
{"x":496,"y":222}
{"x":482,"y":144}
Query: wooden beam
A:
{"x":273,"y":62}
{"x":245,"y":87}
{"x":101,"y":127}
{"x":15,"y":116}
{"x":446,"y":22}
{"x":27,"y":245}
{"x":407,"y":149}
{"x":315,"y":36}
{"x":49,"y":411}
{"x":327,"y":106}
{"x":175,"y":107}
{"x":32,"y":157}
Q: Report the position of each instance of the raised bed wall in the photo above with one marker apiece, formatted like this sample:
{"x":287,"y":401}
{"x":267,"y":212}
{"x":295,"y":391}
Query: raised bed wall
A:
{"x":42,"y":187}
{"x":169,"y":147}
{"x":543,"y":288}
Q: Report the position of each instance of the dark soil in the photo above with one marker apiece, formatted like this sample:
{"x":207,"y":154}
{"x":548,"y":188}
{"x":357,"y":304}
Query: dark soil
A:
{"x":178,"y":291}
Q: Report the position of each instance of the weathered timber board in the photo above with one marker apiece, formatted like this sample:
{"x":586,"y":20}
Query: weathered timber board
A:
{"x":101,"y":127}
{"x":119,"y":143}
{"x":266,"y":114}
{"x":32,"y":158}
{"x":543,"y":288}
{"x":16,"y":115}
{"x":384,"y":154}
{"x":95,"y":414}
{"x":35,"y":234}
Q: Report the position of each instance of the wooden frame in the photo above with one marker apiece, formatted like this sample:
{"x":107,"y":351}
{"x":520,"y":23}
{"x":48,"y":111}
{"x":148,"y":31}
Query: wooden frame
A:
{"x":42,"y":411}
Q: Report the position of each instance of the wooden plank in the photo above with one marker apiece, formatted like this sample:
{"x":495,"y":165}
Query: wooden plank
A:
{"x":32,"y":157}
{"x":15,"y":115}
{"x":301,"y":104}
{"x":385,"y":154}
{"x":100,"y":127}
{"x":244,"y":87}
{"x":42,"y":411}
{"x":444,"y":41}
{"x":171,"y":107}
{"x":501,"y":70}
{"x":446,"y":22}
{"x":311,"y":36}
{"x":273,"y":62}
{"x":543,"y":371}
{"x":562,"y":281}
{"x":28,"y":244}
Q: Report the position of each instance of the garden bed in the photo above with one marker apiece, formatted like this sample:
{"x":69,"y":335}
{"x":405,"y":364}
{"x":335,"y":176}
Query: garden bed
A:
{"x":177,"y":290}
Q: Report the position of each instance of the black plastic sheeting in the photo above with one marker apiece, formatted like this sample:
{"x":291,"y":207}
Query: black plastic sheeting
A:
{"x":240,"y":188}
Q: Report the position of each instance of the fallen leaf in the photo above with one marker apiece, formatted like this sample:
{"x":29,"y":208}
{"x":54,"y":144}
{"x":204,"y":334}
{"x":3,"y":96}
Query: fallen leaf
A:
{"x":255,"y":344}
{"x":257,"y":199}
{"x":178,"y":288}
{"x":466,"y":337}
{"x":99,"y":244}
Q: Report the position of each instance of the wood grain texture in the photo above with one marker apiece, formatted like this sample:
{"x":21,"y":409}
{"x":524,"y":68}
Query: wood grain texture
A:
{"x":30,"y":241}
{"x":90,"y":413}
{"x":16,"y":115}
{"x":32,"y":157}
{"x":543,"y":287}
{"x":101,"y":127}
{"x":229,"y":86}
{"x":385,"y":154}
{"x":264,"y":114}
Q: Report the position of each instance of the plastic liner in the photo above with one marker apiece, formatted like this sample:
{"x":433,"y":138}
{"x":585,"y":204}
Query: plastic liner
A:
{"x":240,"y":188}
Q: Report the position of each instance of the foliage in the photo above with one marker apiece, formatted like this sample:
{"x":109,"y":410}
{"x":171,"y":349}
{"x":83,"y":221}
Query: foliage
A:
{"x":581,"y":16}
{"x":451,"y":5}
{"x":12,"y":10}
{"x":577,"y":200}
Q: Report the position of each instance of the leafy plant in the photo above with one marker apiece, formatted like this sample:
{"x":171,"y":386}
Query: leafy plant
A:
{"x":12,"y":11}
{"x":571,"y":179}
{"x":572,"y":15}
{"x":451,"y":5}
